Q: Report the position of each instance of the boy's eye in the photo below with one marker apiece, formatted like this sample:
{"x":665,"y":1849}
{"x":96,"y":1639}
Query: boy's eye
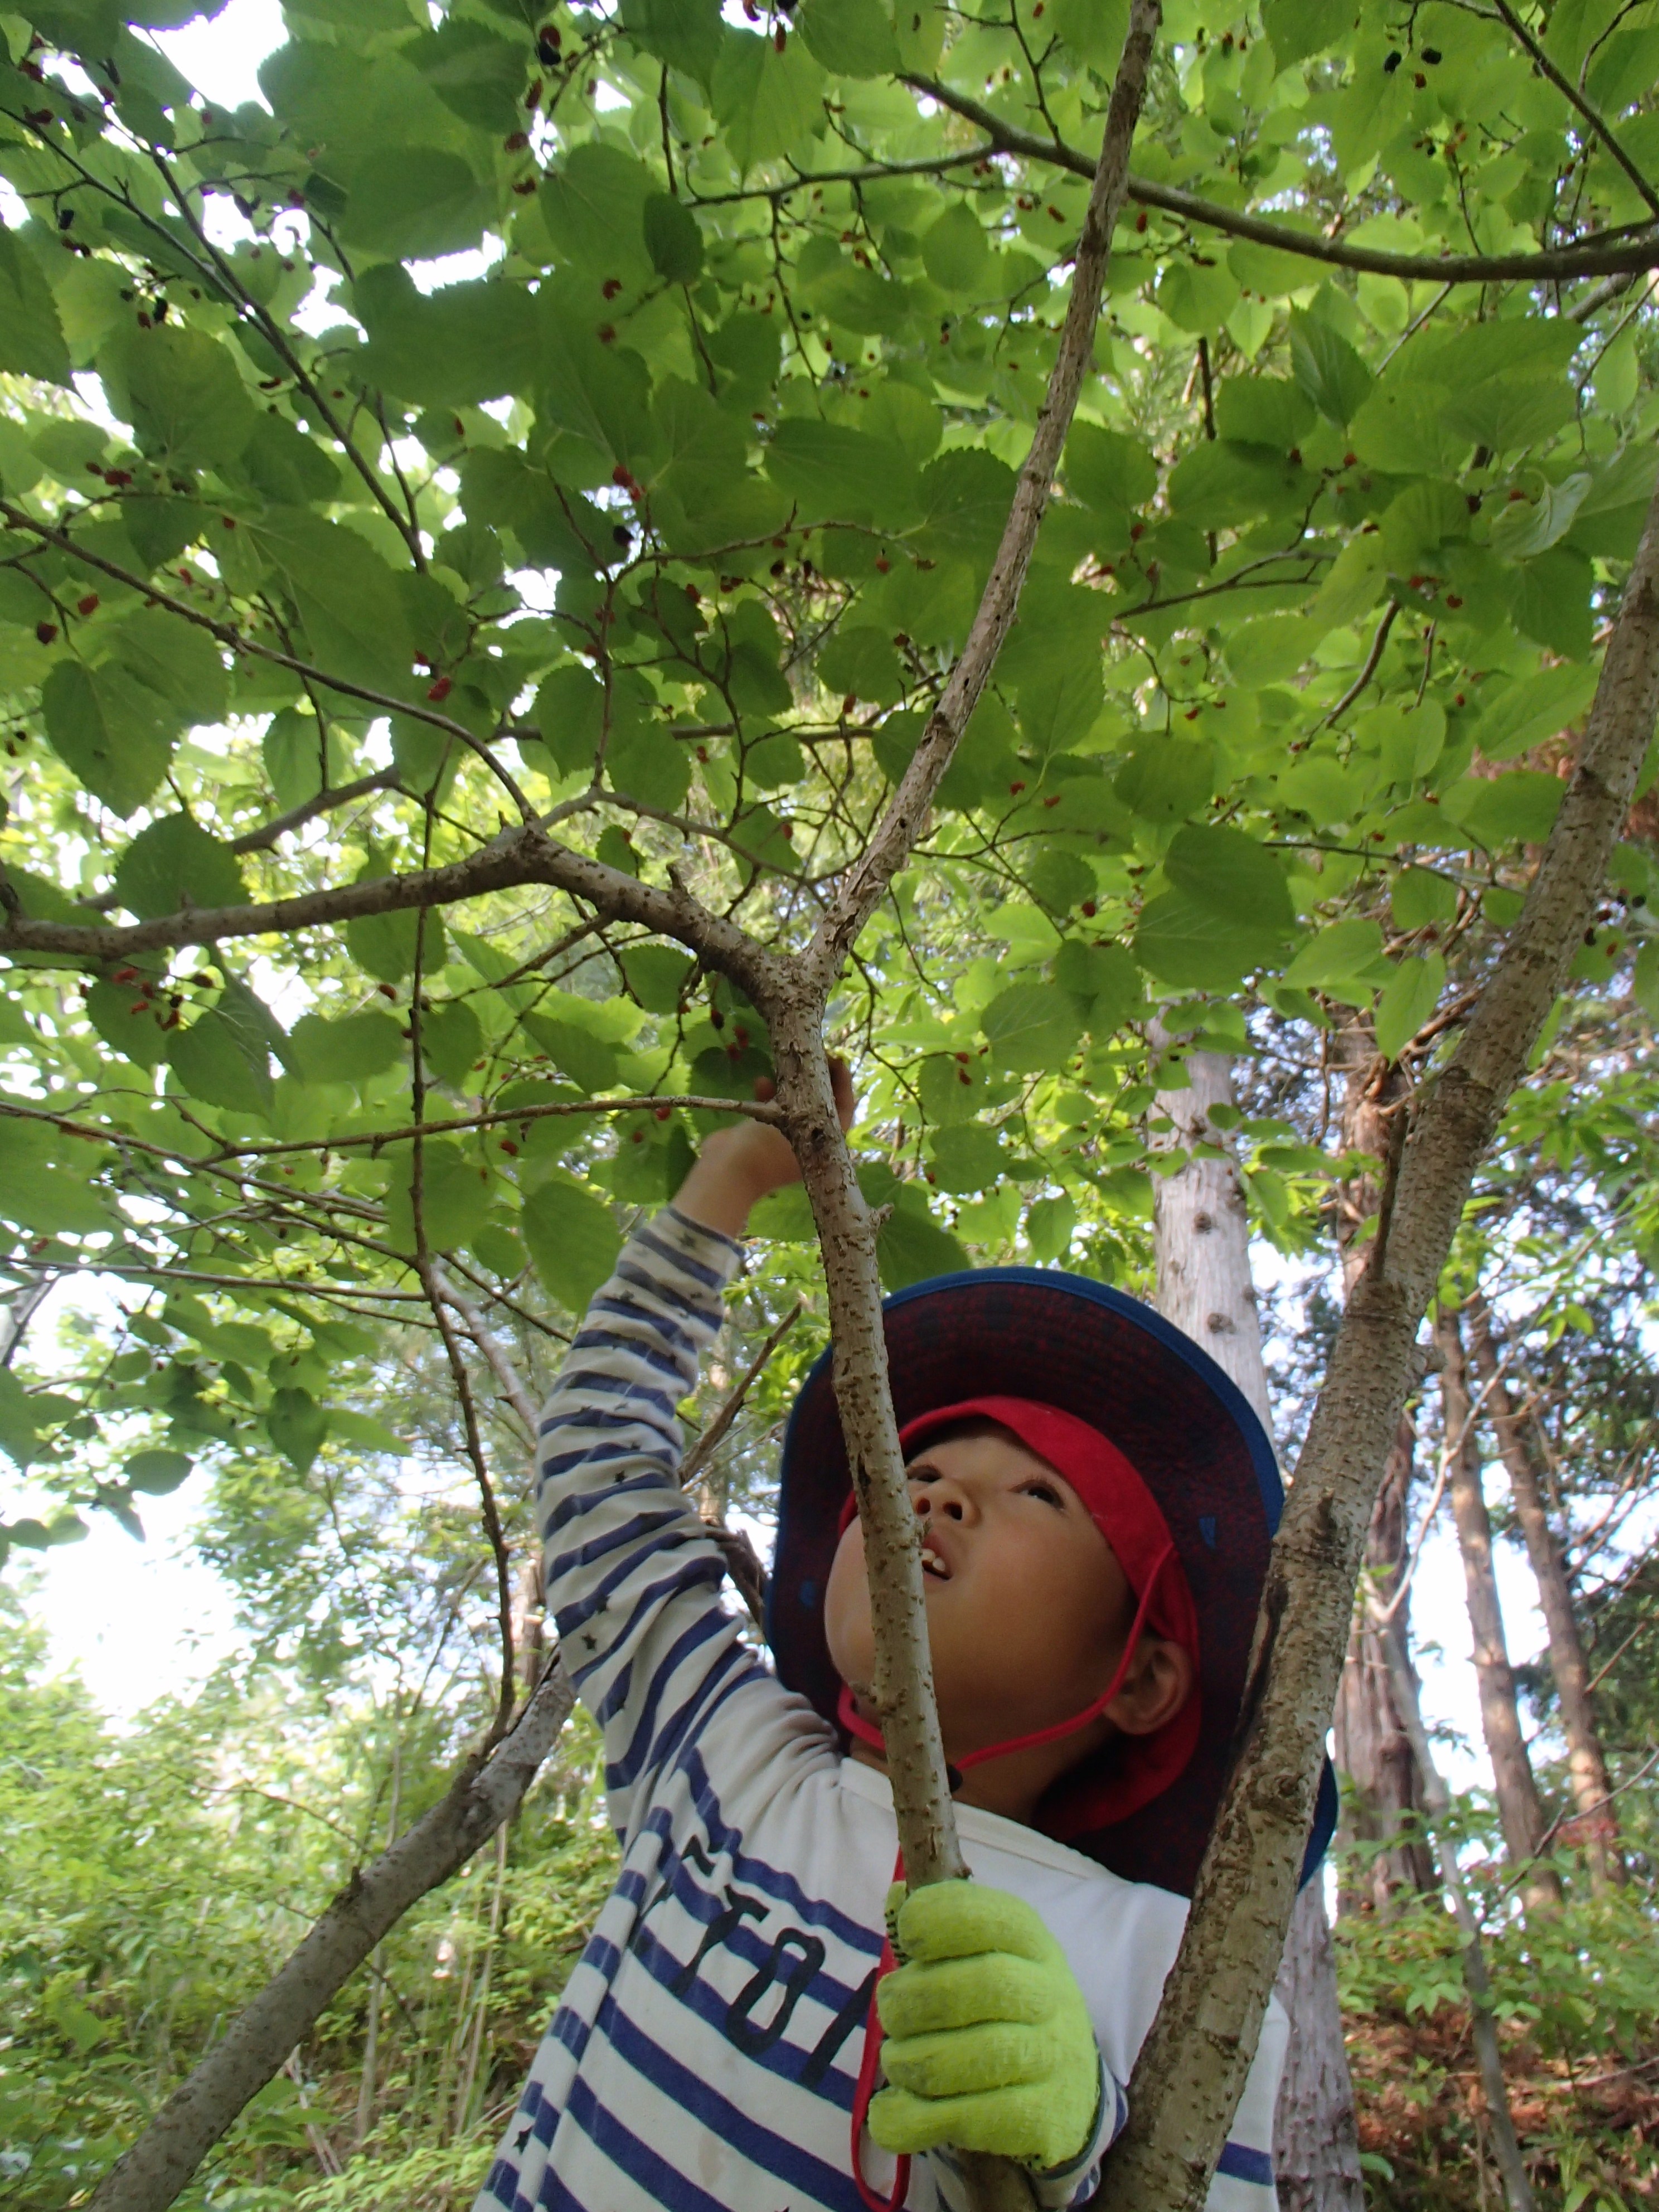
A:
{"x":1045,"y":1490}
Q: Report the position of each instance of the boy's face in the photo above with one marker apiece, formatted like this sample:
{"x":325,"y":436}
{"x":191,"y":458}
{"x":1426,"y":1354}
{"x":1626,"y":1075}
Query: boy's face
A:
{"x":1027,"y":1609}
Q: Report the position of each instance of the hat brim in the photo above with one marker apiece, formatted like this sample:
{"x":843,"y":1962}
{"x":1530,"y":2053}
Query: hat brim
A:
{"x":1071,"y":1342}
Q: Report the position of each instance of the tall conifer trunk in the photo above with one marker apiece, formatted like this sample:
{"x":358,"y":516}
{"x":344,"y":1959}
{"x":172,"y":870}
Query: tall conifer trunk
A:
{"x":1518,"y":1806}
{"x":1518,"y":1446}
{"x":1204,"y":1287}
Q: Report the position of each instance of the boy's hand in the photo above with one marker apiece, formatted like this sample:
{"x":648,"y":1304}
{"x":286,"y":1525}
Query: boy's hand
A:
{"x":989,"y":2045}
{"x":738,"y":1167}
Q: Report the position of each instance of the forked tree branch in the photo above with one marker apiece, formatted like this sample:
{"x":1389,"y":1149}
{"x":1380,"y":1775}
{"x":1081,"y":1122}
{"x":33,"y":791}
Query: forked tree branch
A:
{"x":1551,"y":264}
{"x":1192,"y":2067}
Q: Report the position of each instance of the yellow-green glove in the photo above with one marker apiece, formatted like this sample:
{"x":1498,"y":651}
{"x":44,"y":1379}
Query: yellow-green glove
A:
{"x":989,"y":2046}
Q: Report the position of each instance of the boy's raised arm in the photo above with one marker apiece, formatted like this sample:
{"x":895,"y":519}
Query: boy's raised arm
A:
{"x":632,"y":1575}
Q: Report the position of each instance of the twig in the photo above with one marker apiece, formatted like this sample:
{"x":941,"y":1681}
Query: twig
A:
{"x":1367,"y":671}
{"x":714,"y":1435}
{"x":1570,"y":92}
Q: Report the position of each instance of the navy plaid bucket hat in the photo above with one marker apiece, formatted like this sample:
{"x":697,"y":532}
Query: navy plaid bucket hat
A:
{"x":1040,"y":1333}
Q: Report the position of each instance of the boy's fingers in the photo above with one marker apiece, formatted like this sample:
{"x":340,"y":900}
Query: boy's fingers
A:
{"x":968,"y":2061}
{"x":950,"y":1993}
{"x":1012,"y":2124}
{"x":957,"y":1919}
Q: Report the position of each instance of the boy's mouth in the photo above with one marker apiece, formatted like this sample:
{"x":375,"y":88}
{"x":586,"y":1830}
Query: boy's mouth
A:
{"x":932,"y":1564}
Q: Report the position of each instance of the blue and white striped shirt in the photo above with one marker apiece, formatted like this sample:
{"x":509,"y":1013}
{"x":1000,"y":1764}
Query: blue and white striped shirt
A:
{"x":706,"y":2051}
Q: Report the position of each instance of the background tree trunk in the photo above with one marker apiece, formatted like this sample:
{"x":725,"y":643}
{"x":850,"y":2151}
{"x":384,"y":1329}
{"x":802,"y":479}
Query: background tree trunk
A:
{"x":1587,"y":1766}
{"x":1518,"y":1806}
{"x":1201,"y":1233}
{"x":1373,"y":1750}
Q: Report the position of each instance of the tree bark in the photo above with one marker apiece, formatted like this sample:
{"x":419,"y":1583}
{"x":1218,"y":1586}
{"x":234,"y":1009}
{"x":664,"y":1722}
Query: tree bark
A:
{"x":1192,"y":2067}
{"x":1519,"y":1810}
{"x":1373,"y":1751}
{"x":1200,"y":1233}
{"x":1587,"y":1767}
{"x":256,"y":2044}
{"x":1517,"y":2186}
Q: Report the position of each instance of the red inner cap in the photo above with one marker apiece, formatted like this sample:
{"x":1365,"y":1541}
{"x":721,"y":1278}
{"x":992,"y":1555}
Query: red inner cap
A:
{"x":1130,"y":1770}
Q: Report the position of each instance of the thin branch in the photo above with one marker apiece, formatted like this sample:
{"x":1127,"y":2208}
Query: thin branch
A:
{"x":1367,"y":671}
{"x":1570,"y":92}
{"x":270,"y":833}
{"x":1564,"y":262}
{"x":714,"y":1435}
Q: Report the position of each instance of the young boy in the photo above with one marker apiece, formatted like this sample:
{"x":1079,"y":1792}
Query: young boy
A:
{"x":1089,"y":1605}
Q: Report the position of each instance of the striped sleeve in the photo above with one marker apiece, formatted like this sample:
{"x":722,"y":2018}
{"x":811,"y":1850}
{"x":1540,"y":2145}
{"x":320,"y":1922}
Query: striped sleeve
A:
{"x":633,"y":1577}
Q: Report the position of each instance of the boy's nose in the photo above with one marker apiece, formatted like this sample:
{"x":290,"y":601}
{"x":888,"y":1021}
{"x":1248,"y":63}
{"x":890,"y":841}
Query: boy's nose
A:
{"x":941,"y":1497}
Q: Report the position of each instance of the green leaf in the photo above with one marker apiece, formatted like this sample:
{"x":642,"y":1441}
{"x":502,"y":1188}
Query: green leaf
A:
{"x":128,"y":1022}
{"x":1263,"y":410}
{"x":211,"y":1062}
{"x":955,"y":251}
{"x":156,"y":1473}
{"x":452,"y":1038}
{"x":912,"y":1247}
{"x":178,"y":662}
{"x":851,"y":37}
{"x":351,"y":1050}
{"x":1515,"y":808}
{"x":383,"y":944}
{"x":687,"y":34}
{"x":571,"y":1238}
{"x":765,"y":101}
{"x":1049,"y":1226}
{"x":1418,"y":897}
{"x":1103,"y":980}
{"x":1299,"y":28}
{"x":657,"y":975}
{"x":174,"y":864}
{"x":1505,"y":413}
{"x":672,"y":239}
{"x":1166,"y":778}
{"x":968,"y":1158}
{"x":296,"y":1424}
{"x":1107,"y":470}
{"x":346,"y":596}
{"x":861,"y":664}
{"x":1198,"y":946}
{"x":1346,"y":959}
{"x":1031,"y":1026}
{"x":112,"y":731}
{"x":1523,"y":714}
{"x":180,"y":391}
{"x":1197,"y":297}
{"x":590,"y":1062}
{"x":1525,"y":527}
{"x":463,"y":343}
{"x":594,"y":205}
{"x":832,"y":471}
{"x":414,"y":203}
{"x":31,"y":334}
{"x":1327,"y":370}
{"x":1228,"y":871}
{"x":1407,"y":1003}
{"x":478,"y":73}
{"x":451,"y":1196}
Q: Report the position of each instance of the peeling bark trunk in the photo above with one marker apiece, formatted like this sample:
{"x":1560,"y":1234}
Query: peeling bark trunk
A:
{"x":1587,"y":1766}
{"x":1373,"y":1751}
{"x":1201,"y":1235}
{"x":1518,"y":1807}
{"x":256,"y":2044}
{"x":1192,"y":2067}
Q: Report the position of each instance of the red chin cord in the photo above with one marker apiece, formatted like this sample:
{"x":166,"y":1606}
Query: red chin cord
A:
{"x":866,"y":1732}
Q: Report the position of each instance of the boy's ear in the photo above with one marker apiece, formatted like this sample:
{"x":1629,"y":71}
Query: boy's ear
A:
{"x":1159,"y":1684}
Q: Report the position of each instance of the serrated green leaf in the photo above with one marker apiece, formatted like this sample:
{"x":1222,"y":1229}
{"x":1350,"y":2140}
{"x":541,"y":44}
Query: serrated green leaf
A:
{"x":765,"y":100}
{"x":851,"y":37}
{"x":348,"y":1049}
{"x":1031,"y":1026}
{"x":182,"y":394}
{"x":156,"y":1473}
{"x":1198,"y":946}
{"x":1327,"y":370}
{"x":912,"y":1247}
{"x":296,"y":1424}
{"x":211,"y":1062}
{"x":672,"y":239}
{"x":31,"y":334}
{"x":174,"y":864}
{"x":452,"y":1038}
{"x":112,"y":731}
{"x":1227,"y":870}
{"x":1407,"y":1003}
{"x":571,"y":1240}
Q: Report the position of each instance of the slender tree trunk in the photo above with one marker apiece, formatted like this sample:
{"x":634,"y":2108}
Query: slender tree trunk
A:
{"x":1201,"y":1233}
{"x":1193,"y":2065}
{"x":1587,"y":1767}
{"x":1373,"y":1752}
{"x":1477,"y":1980}
{"x":1518,"y":1807}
